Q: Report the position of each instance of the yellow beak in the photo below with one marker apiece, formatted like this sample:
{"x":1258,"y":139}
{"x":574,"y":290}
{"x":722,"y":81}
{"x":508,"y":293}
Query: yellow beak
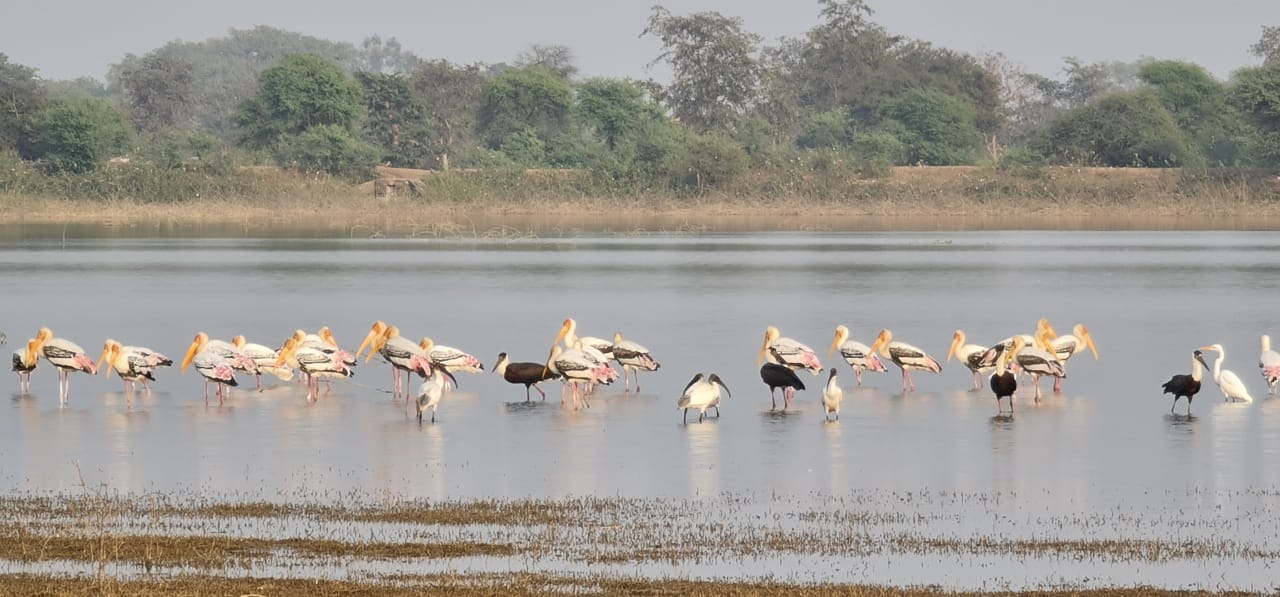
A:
{"x":106,"y":352}
{"x":191,"y":354}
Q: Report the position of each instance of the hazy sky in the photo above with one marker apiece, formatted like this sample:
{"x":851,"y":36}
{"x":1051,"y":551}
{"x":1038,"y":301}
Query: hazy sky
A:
{"x":70,"y":38}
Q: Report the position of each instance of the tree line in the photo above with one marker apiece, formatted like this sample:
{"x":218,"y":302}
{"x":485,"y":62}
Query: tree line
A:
{"x":846,"y":91}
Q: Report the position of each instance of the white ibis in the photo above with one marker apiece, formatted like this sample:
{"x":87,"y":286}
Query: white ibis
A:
{"x":25,"y":361}
{"x":856,"y":354}
{"x":264,"y":358}
{"x":529,"y":374}
{"x":633,"y":357}
{"x":1232,"y":388}
{"x":832,"y":395}
{"x":400,"y":352}
{"x":905,"y":356}
{"x":133,"y":364}
{"x":1186,"y":386}
{"x":969,"y":354}
{"x":432,"y":390}
{"x":66,"y":356}
{"x":1003,"y":382}
{"x":1269,"y":363}
{"x":788,"y":352}
{"x":702,"y":394}
{"x":780,"y":376}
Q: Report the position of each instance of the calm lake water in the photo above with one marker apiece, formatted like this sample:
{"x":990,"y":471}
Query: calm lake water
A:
{"x":700,"y":303}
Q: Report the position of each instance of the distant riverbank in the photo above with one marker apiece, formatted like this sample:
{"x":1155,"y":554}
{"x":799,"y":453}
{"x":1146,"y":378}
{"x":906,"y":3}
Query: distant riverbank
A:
{"x":470,"y":205}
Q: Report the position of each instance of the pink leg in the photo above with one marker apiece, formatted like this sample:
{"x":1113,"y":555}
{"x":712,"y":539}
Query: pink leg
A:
{"x":1057,"y":385}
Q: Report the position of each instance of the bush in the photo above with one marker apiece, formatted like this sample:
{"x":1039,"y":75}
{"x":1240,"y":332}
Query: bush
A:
{"x":328,"y":148}
{"x":77,"y":136}
{"x":935,"y":128}
{"x":707,"y":160}
{"x":877,"y":153}
{"x":826,"y":130}
{"x":194,"y":150}
{"x":1021,"y":161}
{"x":1119,"y":130}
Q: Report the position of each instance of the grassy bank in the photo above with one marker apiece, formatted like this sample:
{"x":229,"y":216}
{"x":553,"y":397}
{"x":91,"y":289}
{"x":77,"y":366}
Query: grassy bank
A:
{"x":534,"y":202}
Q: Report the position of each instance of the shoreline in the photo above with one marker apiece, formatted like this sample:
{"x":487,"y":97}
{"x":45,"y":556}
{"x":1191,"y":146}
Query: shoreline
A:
{"x":365,"y":217}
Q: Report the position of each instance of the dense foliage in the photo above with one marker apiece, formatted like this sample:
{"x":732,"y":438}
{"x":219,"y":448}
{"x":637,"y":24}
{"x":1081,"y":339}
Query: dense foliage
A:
{"x":846,"y":99}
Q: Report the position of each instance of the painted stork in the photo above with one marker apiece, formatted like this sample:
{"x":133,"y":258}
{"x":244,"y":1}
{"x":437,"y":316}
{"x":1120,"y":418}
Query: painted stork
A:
{"x":780,"y":376}
{"x":969,"y":354}
{"x":529,"y":374}
{"x":788,"y":352}
{"x":633,"y":357}
{"x":450,"y":358}
{"x":831,"y":396}
{"x":133,"y":364}
{"x":25,"y":361}
{"x":1269,"y":363}
{"x":1039,"y":362}
{"x":702,"y":394}
{"x":1186,"y":385}
{"x":216,"y":369}
{"x":222,"y":349}
{"x":324,"y":341}
{"x":569,"y":332}
{"x":1003,"y":382}
{"x":432,"y":390}
{"x":314,"y":362}
{"x":66,"y":356}
{"x":905,"y":356}
{"x":264,"y":359}
{"x":1065,"y":347}
{"x":577,"y":367}
{"x":856,"y":354}
{"x":1232,"y":388}
{"x":400,"y":352}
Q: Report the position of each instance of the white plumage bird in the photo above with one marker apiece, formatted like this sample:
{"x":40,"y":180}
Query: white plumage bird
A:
{"x":702,"y":394}
{"x":832,"y":395}
{"x":856,"y":354}
{"x":1233,"y":390}
{"x":1269,"y":363}
{"x":971,"y":355}
{"x":633,"y":357}
{"x":432,"y":390}
{"x":788,"y":352}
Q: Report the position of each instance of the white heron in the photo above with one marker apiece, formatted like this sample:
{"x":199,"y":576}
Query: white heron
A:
{"x":1232,"y":388}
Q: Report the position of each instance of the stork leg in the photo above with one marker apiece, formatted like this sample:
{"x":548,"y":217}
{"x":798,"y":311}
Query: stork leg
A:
{"x":258,"y":377}
{"x":773,"y":398}
{"x":904,"y":380}
{"x":977,"y":384}
{"x":1035,"y":379}
{"x":1057,"y":385}
{"x":787,"y":394}
{"x":535,"y":386}
{"x":1175,"y":404}
{"x":857,"y":373}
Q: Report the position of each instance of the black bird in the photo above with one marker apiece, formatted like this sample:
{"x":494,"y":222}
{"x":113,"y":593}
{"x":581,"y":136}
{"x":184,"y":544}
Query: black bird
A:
{"x":529,"y":374}
{"x":1003,"y":382}
{"x":779,"y":376}
{"x":1186,"y":385}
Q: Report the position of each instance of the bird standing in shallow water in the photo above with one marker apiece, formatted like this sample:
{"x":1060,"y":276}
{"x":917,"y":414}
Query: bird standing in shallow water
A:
{"x":702,"y":394}
{"x":1232,"y":388}
{"x":778,"y":376}
{"x":1269,"y":363}
{"x":529,"y":374}
{"x":905,"y":356}
{"x":1186,"y":385}
{"x":856,"y":354}
{"x":1003,"y":382}
{"x":832,"y":395}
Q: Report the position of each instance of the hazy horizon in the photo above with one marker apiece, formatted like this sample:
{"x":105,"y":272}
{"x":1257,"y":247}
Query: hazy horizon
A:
{"x":605,"y":38}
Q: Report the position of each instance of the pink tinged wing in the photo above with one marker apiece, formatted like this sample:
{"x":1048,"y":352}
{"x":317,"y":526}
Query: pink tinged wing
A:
{"x":86,"y":364}
{"x":875,"y":364}
{"x":223,"y":372}
{"x":1271,"y":373}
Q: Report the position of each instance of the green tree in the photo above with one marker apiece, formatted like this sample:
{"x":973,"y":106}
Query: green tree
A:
{"x":1198,"y":103}
{"x":707,"y":161}
{"x":1256,"y":93}
{"x":299,"y":93}
{"x":616,"y":110}
{"x":935,"y":128}
{"x":21,"y":97}
{"x":714,"y":67}
{"x":396,"y":119}
{"x":523,"y":99}
{"x":450,"y":94}
{"x":78,"y":88}
{"x":557,"y":59}
{"x":1128,"y":128}
{"x":158,"y":92}
{"x":328,"y":148}
{"x":1268,"y":46}
{"x":827,"y":130}
{"x":76,"y":136}
{"x":225,"y":69}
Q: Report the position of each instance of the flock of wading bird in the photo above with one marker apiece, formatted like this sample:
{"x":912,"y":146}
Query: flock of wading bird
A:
{"x":583,"y":363}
